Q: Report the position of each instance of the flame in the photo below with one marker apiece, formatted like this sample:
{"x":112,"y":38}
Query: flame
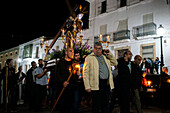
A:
{"x":144,"y":74}
{"x":149,"y":82}
{"x":168,"y":80}
{"x":48,"y":80}
{"x":77,"y":66}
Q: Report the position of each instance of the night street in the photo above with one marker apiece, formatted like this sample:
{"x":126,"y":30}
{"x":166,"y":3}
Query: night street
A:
{"x":86,"y":109}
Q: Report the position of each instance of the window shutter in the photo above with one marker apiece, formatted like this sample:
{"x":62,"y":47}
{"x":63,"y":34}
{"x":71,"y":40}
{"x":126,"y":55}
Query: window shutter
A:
{"x":123,"y":25}
{"x":148,"y":18}
{"x":103,"y":29}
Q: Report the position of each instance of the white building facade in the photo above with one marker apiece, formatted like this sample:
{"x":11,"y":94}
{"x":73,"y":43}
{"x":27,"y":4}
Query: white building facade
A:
{"x":131,"y":24}
{"x":32,"y":51}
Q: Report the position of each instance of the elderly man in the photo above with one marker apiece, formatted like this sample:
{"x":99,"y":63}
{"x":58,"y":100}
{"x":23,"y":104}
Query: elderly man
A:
{"x":137,"y":82}
{"x":97,"y":77}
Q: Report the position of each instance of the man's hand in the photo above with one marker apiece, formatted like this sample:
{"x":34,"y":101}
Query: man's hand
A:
{"x":106,"y":51}
{"x":45,"y":70}
{"x":65,"y":84}
{"x":88,"y":90}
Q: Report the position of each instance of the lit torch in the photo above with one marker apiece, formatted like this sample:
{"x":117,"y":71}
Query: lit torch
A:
{"x":77,"y":67}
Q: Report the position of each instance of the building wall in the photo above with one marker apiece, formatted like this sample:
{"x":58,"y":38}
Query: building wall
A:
{"x":133,"y":12}
{"x":26,"y":62}
{"x":9,"y":54}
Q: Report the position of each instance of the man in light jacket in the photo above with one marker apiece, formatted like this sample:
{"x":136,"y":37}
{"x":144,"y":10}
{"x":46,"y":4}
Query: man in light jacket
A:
{"x":97,"y":77}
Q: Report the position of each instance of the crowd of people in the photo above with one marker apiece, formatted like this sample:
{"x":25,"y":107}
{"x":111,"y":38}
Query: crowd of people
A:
{"x":93,"y":80}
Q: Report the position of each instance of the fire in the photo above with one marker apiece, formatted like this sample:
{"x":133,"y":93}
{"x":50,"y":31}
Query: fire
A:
{"x":144,"y":74}
{"x":48,"y":80}
{"x":168,"y":80}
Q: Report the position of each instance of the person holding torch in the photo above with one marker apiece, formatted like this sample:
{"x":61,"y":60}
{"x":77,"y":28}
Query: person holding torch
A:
{"x":63,"y":71}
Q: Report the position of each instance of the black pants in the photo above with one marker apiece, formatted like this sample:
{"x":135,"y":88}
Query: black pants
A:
{"x":40,"y":93}
{"x":11,"y":97}
{"x":66,"y":101}
{"x":124,"y":98}
{"x":100,"y":98}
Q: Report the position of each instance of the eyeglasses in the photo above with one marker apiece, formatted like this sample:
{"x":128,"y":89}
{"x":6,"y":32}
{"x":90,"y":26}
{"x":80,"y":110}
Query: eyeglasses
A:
{"x":98,"y":48}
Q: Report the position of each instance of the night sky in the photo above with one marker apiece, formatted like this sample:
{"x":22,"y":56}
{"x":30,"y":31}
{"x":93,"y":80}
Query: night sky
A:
{"x":24,"y":21}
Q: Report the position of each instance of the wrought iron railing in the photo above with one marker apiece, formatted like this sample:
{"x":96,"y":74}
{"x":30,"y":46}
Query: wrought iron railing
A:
{"x":120,"y":35}
{"x":144,"y":30}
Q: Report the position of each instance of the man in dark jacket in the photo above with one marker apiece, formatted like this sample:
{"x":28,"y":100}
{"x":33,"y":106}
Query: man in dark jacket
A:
{"x":11,"y":84}
{"x":124,"y":81}
{"x":30,"y":86}
{"x":64,"y":68}
{"x":136,"y":83}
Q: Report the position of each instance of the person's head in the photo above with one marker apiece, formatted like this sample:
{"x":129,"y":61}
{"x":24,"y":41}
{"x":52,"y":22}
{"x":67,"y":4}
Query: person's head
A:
{"x":76,"y":56}
{"x":137,"y":59}
{"x":40,"y":62}
{"x":127,"y":55}
{"x":9,"y":62}
{"x":69,"y":54}
{"x":165,"y":70}
{"x":157,"y":58}
{"x":97,"y":49}
{"x":33,"y":64}
{"x":20,"y":68}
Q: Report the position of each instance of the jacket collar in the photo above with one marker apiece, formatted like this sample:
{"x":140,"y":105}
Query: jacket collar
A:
{"x":92,"y":54}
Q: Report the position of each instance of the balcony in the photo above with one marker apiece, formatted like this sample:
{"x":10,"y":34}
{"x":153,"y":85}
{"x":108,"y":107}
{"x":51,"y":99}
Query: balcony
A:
{"x":104,"y":38}
{"x":121,"y":35}
{"x":144,"y":30}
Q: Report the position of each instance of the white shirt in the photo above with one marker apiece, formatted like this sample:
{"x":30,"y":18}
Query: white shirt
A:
{"x":41,"y":81}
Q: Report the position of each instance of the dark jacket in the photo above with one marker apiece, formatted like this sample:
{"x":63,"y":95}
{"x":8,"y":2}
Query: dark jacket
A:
{"x":136,"y":76}
{"x":12,"y":79}
{"x":124,"y":77}
{"x":19,"y":80}
{"x":62,"y":74}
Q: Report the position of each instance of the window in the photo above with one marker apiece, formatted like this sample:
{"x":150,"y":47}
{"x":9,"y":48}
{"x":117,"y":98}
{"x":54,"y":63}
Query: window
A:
{"x":103,"y":7}
{"x":123,"y":25}
{"x":148,"y":50}
{"x":120,"y":51}
{"x":37,"y":52}
{"x":28,"y":51}
{"x":99,"y":10}
{"x":11,"y":54}
{"x":123,"y":3}
{"x":103,"y":29}
{"x":148,"y":18}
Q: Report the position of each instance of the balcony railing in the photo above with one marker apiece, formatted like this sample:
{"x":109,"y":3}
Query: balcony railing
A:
{"x":104,"y":38}
{"x":121,"y":35}
{"x":144,"y":30}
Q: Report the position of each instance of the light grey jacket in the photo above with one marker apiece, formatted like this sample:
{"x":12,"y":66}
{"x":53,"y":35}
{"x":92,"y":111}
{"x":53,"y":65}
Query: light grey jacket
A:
{"x":91,"y":71}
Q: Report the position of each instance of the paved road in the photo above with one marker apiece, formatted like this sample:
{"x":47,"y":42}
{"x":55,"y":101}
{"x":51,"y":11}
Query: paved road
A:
{"x":86,"y":109}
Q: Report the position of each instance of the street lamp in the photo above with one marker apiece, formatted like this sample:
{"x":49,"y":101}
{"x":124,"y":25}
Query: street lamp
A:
{"x":160,"y":32}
